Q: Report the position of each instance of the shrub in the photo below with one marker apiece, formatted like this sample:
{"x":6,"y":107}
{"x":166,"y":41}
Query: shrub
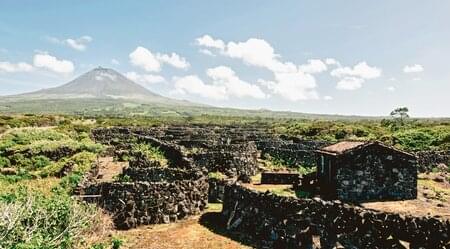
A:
{"x":31,"y":220}
{"x":4,"y":162}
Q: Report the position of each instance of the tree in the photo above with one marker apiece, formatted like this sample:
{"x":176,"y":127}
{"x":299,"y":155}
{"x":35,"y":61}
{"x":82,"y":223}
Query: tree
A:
{"x":400,"y":114}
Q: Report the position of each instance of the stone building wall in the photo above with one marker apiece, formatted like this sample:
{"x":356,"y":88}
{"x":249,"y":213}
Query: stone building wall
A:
{"x":289,"y":222}
{"x":376,"y":173}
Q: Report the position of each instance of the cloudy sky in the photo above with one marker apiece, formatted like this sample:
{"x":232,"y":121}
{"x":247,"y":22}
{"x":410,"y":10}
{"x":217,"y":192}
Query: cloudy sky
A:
{"x":345,"y":57}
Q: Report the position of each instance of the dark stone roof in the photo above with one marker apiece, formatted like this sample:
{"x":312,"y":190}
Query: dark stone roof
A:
{"x":344,"y":147}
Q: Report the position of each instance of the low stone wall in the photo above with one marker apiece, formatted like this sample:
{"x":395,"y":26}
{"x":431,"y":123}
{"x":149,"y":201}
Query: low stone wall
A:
{"x":141,"y":203}
{"x":294,"y":154}
{"x":216,"y":189}
{"x":427,"y":160}
{"x":161,"y":174}
{"x":279,"y":177}
{"x":288,"y":222}
{"x":232,"y":160}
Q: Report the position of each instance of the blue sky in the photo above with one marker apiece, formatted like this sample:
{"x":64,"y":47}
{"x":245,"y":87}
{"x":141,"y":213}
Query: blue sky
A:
{"x":345,"y":57}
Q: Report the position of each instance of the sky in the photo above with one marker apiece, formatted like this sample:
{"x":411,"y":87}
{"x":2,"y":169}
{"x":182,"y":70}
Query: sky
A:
{"x":332,"y":57}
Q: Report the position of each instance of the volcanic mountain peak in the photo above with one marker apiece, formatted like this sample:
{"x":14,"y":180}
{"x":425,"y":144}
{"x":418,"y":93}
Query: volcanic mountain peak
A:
{"x":102,"y":83}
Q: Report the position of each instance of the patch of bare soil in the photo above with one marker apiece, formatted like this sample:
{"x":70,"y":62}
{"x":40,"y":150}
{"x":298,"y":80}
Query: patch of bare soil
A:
{"x":108,"y":168}
{"x":433,"y":198}
{"x":200,"y":232}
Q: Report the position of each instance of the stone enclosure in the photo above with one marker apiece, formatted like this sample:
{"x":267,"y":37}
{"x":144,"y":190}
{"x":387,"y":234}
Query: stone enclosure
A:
{"x":147,"y":192}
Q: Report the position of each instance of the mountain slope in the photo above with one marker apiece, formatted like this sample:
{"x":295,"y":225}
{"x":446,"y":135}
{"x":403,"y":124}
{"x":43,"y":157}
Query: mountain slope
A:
{"x":100,"y":83}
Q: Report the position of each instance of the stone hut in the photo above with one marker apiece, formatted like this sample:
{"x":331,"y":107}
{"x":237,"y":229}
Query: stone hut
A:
{"x":365,"y":171}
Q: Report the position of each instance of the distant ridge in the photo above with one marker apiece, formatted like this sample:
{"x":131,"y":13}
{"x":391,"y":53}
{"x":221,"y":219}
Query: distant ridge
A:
{"x":101,"y":83}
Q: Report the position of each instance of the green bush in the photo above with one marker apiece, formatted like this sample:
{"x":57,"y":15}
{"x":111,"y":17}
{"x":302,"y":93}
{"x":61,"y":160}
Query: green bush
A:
{"x":4,"y":162}
{"x":33,"y":220}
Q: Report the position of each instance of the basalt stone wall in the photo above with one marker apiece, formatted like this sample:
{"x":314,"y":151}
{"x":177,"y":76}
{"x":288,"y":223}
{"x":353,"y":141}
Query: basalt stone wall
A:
{"x":141,"y":203}
{"x":427,"y":160}
{"x":294,"y":154}
{"x":232,"y":160}
{"x":172,"y":152}
{"x":216,"y":189}
{"x":279,"y":177}
{"x":161,"y":174}
{"x":138,"y":160}
{"x":112,"y":135}
{"x":289,"y":222}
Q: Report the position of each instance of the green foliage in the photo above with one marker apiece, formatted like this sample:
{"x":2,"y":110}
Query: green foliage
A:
{"x":122,"y":178}
{"x":116,"y":243}
{"x":4,"y":162}
{"x":153,"y":153}
{"x":216,"y":175}
{"x":38,"y":221}
{"x":306,"y":170}
{"x":29,"y":150}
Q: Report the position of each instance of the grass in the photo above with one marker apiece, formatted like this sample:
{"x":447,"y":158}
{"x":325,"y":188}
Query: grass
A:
{"x":40,"y":185}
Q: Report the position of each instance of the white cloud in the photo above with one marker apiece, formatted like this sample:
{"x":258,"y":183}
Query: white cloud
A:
{"x":293,"y":86}
{"x":290,"y":81}
{"x":313,"y":66}
{"x":361,"y":70}
{"x":144,"y":78}
{"x":353,"y":78}
{"x":258,"y":52}
{"x":207,"y":52}
{"x":224,"y":84}
{"x":103,"y":75}
{"x":192,"y":84}
{"x":391,"y":88}
{"x":115,"y":62}
{"x":416,"y":68}
{"x":332,"y":61}
{"x":327,"y":97}
{"x":417,"y":79}
{"x":208,"y":41}
{"x":79,"y":44}
{"x":226,"y":77}
{"x":9,"y":67}
{"x":44,"y":60}
{"x":350,"y":83}
{"x":143,"y":58}
{"x":174,"y":60}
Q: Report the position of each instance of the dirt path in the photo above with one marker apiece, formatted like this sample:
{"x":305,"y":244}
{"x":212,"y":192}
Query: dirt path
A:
{"x":196,"y":232}
{"x":108,"y":168}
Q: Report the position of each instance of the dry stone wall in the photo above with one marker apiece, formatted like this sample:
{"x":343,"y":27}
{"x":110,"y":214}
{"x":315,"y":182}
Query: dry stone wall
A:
{"x":427,"y":160}
{"x":232,"y":160}
{"x":300,"y":152}
{"x":141,"y":203}
{"x":288,"y":222}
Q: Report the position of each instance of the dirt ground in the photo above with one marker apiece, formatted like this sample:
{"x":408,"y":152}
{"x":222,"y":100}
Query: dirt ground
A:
{"x":433,"y":198}
{"x":200,"y":232}
{"x":108,"y":168}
